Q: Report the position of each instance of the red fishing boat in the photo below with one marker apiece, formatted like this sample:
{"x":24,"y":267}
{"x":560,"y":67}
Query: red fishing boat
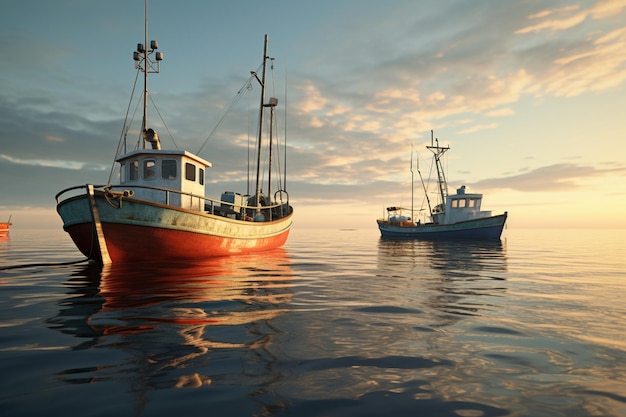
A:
{"x":159,"y":209}
{"x":4,"y":227}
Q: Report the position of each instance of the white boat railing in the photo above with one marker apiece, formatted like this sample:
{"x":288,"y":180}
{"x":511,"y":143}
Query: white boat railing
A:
{"x":211,"y":205}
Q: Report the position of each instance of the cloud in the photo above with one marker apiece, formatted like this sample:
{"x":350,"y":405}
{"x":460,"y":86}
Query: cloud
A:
{"x":474,"y":69}
{"x":593,"y":69}
{"x":607,"y":8}
{"x":477,"y":128}
{"x":313,"y":100}
{"x":570,"y":16}
{"x":561,"y":23}
{"x":72,"y":165}
{"x":36,"y":185}
{"x":507,"y":111}
{"x":589,"y":57}
{"x":557,"y":177}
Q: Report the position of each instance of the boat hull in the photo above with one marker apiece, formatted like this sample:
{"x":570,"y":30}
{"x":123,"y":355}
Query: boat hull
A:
{"x":140,"y":230}
{"x":484,"y":228}
{"x":4,"y":229}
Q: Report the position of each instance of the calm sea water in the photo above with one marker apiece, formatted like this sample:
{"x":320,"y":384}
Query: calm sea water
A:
{"x":338,"y":323}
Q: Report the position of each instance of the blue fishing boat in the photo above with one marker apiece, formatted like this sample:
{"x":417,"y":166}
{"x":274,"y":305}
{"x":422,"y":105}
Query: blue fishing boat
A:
{"x":456,"y":216}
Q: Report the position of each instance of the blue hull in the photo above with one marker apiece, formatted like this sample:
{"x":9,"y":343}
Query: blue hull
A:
{"x":485,"y":228}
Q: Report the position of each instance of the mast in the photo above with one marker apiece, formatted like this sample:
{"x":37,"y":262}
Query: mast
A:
{"x":261,"y":111}
{"x":145,"y":75}
{"x":272,"y":103}
{"x":438,"y":152}
{"x":143,"y":63}
{"x":412,"y":184}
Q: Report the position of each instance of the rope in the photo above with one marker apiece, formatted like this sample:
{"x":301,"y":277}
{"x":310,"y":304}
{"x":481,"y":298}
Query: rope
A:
{"x":6,"y":268}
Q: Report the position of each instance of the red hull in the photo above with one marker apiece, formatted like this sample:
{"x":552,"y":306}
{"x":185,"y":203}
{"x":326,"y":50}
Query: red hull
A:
{"x":4,"y":228}
{"x":131,"y":243}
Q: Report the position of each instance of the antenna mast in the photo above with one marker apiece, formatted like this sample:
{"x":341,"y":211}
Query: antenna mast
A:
{"x":438,"y":152}
{"x":412,"y":182}
{"x":145,"y":74}
{"x":143,"y":63}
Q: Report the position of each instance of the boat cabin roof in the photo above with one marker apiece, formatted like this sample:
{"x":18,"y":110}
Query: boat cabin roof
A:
{"x":460,"y":193}
{"x":163,"y":153}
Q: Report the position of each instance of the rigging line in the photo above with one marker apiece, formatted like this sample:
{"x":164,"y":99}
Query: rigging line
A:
{"x":164,"y":124}
{"x":230,"y":106}
{"x":248,"y":147}
{"x":278,"y":164}
{"x":128,"y":124}
{"x":273,"y":123}
{"x":285,"y":136}
{"x":282,"y":171}
{"x":281,"y":144}
{"x":261,"y":162}
{"x":124,"y":131}
{"x":273,"y":80}
{"x":265,"y":160}
{"x":275,"y":158}
{"x":132,"y":120}
{"x":425,"y":199}
{"x":277,"y":169}
{"x":430,"y":175}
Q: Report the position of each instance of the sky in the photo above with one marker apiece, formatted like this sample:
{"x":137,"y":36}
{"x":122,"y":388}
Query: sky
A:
{"x":530,"y":96}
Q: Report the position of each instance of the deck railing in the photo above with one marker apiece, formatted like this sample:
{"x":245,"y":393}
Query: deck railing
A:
{"x":209,"y":205}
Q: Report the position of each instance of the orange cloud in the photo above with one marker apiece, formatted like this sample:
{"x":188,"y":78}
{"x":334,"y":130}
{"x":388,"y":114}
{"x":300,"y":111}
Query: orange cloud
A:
{"x":568,"y":17}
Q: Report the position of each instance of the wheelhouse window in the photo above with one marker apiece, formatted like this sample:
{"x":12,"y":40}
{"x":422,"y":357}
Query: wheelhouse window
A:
{"x":472,"y":202}
{"x":169,"y":169}
{"x":133,"y":170}
{"x":201,"y":176}
{"x":459,"y":203}
{"x":122,"y":173}
{"x":190,"y":172}
{"x":149,"y":169}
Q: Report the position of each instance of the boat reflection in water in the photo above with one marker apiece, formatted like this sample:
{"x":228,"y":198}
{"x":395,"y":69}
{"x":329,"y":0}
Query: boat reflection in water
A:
{"x":457,"y":278}
{"x":459,"y":291}
{"x":478,"y":255}
{"x":176,"y":326}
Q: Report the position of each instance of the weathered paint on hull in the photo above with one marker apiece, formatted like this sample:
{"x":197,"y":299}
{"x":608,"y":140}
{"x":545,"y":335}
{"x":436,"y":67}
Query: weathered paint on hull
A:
{"x":142,"y":231}
{"x":487,"y":228}
{"x":163,"y":244}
